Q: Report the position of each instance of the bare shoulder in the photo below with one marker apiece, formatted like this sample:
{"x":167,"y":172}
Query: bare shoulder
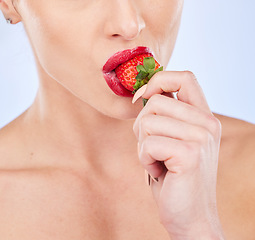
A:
{"x":238,"y":136}
{"x":32,"y":205}
{"x":236,"y":179}
{"x":13,"y":144}
{"x":237,"y":150}
{"x":31,"y":195}
{"x":16,"y":157}
{"x":20,"y":140}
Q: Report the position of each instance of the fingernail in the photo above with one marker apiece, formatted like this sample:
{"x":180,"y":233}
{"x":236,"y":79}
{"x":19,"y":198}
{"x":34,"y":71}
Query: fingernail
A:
{"x":154,"y":179}
{"x":147,"y":178}
{"x":139,"y":93}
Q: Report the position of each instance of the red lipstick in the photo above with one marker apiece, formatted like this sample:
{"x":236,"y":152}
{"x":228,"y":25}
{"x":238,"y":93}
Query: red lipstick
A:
{"x":116,"y":60}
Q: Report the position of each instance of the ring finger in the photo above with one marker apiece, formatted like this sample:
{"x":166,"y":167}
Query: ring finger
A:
{"x":151,"y":124}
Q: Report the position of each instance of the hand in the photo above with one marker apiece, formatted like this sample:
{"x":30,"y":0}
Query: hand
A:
{"x":178,"y":143}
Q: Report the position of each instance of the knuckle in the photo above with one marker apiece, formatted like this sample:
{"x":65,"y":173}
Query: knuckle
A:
{"x":153,"y":101}
{"x":214,"y":125}
{"x":194,"y":155}
{"x":190,"y":75}
{"x":145,"y":122}
{"x":204,"y":136}
{"x":193,"y":150}
{"x":176,"y":164}
{"x":146,"y":146}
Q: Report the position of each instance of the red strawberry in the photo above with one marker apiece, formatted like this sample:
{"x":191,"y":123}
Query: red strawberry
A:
{"x":127,"y":71}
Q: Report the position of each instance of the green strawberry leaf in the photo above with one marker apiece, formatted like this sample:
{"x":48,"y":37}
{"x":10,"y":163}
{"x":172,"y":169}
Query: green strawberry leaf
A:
{"x":159,"y":69}
{"x":140,"y":68}
{"x":145,"y":73}
{"x":150,"y":71}
{"x":151,"y":74}
{"x":149,"y":63}
{"x":141,"y":75}
{"x":137,"y":85}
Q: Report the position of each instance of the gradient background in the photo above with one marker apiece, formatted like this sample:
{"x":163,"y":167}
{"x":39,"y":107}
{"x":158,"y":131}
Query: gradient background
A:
{"x":216,"y":42}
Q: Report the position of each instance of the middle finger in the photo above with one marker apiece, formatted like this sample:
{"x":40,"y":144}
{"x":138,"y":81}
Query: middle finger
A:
{"x":170,"y":107}
{"x":151,"y":124}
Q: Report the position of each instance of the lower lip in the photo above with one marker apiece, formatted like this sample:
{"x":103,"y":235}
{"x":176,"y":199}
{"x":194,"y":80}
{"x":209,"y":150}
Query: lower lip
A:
{"x":114,"y":83}
{"x":111,"y":78}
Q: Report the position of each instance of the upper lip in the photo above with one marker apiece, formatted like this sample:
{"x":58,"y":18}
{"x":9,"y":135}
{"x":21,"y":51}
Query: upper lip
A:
{"x":122,"y":56}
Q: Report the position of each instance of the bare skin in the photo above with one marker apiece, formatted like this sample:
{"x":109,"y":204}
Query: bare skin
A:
{"x":65,"y":174}
{"x":45,"y":199}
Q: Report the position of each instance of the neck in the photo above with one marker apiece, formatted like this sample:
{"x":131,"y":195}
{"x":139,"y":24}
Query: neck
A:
{"x":78,"y":133}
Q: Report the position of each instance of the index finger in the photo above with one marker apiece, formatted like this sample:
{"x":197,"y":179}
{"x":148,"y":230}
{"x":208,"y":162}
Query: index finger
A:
{"x":183,"y":82}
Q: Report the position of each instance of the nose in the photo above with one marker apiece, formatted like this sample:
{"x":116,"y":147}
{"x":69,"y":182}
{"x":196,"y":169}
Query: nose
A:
{"x":124,"y":20}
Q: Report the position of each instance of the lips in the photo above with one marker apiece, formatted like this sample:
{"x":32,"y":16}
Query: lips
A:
{"x":116,"y":60}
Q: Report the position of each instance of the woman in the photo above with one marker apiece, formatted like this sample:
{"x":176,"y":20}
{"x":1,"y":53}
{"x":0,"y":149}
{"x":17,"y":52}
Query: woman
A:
{"x":72,"y":165}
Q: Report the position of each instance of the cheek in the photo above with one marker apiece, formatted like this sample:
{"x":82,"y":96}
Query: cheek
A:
{"x":164,"y":25}
{"x":65,"y":45}
{"x":61,"y":37}
{"x":166,"y":15}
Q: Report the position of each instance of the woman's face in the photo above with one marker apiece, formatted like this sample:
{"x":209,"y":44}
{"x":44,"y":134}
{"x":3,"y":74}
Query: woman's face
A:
{"x":73,"y":39}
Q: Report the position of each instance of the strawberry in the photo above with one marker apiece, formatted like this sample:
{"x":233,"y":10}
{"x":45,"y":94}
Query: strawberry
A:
{"x":132,"y":74}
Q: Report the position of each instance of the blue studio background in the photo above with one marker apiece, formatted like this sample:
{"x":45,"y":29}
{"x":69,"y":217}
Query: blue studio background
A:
{"x":216,"y":42}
